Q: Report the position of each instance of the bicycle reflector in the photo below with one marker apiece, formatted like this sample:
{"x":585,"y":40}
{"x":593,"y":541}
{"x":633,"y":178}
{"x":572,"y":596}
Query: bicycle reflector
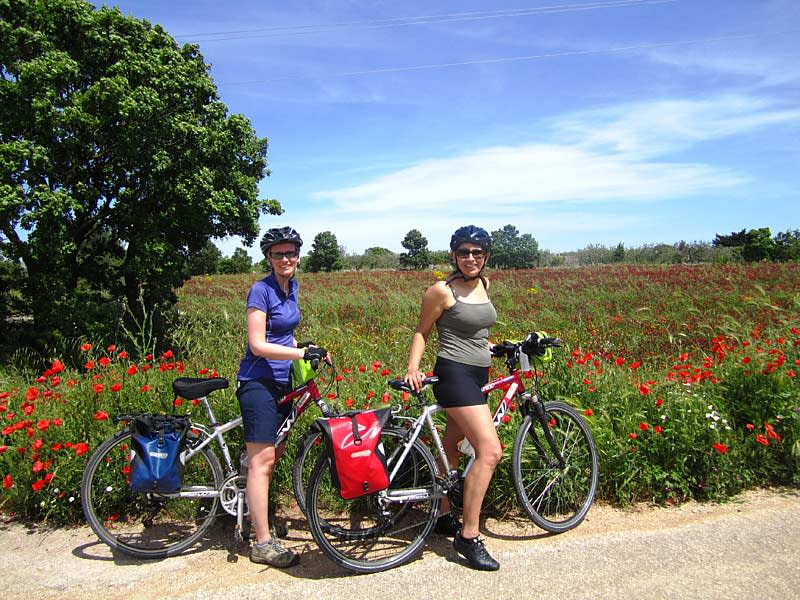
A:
{"x":302,"y":371}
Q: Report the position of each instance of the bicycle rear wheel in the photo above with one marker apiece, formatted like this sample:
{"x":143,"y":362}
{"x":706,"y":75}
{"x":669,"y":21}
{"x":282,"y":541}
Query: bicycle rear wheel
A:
{"x":310,"y":447}
{"x":148,"y":525}
{"x":556,"y":496}
{"x":372,"y":533}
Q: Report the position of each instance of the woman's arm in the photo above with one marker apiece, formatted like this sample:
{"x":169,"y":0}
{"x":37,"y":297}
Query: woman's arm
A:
{"x":434,"y":302}
{"x":256,"y":328}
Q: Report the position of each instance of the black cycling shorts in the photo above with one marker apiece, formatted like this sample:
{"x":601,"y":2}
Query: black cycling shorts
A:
{"x":459,"y":384}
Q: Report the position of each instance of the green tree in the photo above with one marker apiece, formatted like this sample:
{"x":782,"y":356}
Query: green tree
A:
{"x":325,"y":254}
{"x":513,"y":251}
{"x":736,"y":238}
{"x":618,"y":255}
{"x":787,"y":245}
{"x":238,"y":262}
{"x":117,"y":162}
{"x":206,"y":260}
{"x":758,"y":245}
{"x":418,"y":255}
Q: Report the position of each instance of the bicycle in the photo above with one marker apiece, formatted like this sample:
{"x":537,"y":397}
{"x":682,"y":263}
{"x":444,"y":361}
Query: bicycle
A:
{"x":159,"y":525}
{"x":554,"y":470}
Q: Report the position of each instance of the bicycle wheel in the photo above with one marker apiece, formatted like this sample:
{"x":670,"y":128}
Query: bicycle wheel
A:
{"x":310,"y":445}
{"x":378,"y":531}
{"x":148,"y":525}
{"x":555,"y":496}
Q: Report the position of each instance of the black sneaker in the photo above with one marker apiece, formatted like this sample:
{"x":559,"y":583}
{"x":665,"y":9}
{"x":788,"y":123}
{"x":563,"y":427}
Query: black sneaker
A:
{"x":475,"y":553}
{"x":447,"y":524}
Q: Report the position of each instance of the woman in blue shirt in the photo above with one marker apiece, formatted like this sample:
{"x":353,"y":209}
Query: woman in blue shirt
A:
{"x":263,"y":378}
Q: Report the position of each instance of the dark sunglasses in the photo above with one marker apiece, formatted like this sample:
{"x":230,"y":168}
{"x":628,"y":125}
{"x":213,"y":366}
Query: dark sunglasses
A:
{"x":279,"y":255}
{"x":475,"y":252}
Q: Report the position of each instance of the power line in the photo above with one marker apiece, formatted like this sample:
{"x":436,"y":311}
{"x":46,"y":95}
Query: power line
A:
{"x":408,"y":21}
{"x":487,"y":61}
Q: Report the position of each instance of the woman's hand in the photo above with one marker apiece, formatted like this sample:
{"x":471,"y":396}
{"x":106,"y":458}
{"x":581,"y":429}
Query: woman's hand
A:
{"x":414,"y":379}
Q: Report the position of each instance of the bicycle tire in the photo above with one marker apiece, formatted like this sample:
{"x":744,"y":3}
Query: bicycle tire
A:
{"x":149,"y":525}
{"x":310,"y":446}
{"x":356,"y":534}
{"x":556,"y":498}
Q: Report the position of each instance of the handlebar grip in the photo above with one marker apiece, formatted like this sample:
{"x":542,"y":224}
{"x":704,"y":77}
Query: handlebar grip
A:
{"x":314,"y":363}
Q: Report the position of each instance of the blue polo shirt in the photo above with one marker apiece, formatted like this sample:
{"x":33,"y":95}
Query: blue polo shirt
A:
{"x":283,"y":315}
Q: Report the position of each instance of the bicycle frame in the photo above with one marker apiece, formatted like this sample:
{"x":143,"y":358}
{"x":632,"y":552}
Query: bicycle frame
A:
{"x":216,"y":431}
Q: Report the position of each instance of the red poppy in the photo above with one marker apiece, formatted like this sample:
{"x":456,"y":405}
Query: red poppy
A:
{"x":89,"y":365}
{"x":8,"y":482}
{"x":349,"y":403}
{"x":746,"y":360}
{"x":86,"y":347}
{"x":37,"y":466}
{"x":56,"y":422}
{"x":339,"y":378}
{"x":98,"y":387}
{"x":116,"y":387}
{"x":37,"y":485}
{"x":633,"y":436}
{"x":620,"y":361}
{"x":37,"y":443}
{"x":644,"y":426}
{"x":658,"y":429}
{"x":385,"y":399}
{"x":81,"y":448}
{"x":771,"y":432}
{"x":750,"y":426}
{"x":144,"y":388}
{"x":791,"y":373}
{"x":762,"y":440}
{"x":31,"y":394}
{"x":167,"y":355}
{"x":101,"y":415}
{"x":362,"y":368}
{"x":132,"y":370}
{"x":588,"y":412}
{"x":203,"y":371}
{"x":56,"y":367}
{"x":659,"y":402}
{"x":644,"y":390}
{"x":721,"y":448}
{"x":122,"y":355}
{"x":506,"y":419}
{"x":148,"y":357}
{"x":3,"y":448}
{"x":635,"y":365}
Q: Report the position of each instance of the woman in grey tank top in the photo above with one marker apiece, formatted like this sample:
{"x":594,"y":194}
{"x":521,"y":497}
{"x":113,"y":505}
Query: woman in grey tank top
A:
{"x":462,"y":312}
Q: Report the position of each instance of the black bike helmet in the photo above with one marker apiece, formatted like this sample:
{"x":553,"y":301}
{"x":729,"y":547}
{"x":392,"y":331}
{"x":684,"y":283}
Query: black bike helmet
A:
{"x":471,"y":234}
{"x":279,"y":235}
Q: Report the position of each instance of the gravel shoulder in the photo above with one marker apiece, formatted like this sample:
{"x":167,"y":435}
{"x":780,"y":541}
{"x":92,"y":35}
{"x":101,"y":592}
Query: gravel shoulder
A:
{"x":744,"y":548}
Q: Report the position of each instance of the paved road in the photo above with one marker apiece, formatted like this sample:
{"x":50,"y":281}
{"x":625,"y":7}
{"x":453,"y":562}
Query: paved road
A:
{"x":746,"y":549}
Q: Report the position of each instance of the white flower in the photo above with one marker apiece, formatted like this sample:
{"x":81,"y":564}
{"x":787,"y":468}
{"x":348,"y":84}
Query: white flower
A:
{"x":109,"y":488}
{"x":72,"y":498}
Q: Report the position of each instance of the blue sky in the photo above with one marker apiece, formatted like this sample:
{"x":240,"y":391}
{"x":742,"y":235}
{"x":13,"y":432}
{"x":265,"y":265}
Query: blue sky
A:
{"x":577,"y":121}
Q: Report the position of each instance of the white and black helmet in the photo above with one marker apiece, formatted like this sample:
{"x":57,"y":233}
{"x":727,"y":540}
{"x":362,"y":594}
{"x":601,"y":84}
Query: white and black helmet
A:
{"x":471,"y":234}
{"x":280,"y":235}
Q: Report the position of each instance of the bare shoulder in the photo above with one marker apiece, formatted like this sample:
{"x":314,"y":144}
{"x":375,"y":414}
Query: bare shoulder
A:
{"x":437,"y":290}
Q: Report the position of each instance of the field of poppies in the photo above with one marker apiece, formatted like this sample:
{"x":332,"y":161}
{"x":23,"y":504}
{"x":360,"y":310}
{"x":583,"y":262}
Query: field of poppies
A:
{"x":687,"y":374}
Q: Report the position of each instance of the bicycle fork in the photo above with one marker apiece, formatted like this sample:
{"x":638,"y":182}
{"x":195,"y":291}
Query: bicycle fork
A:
{"x":541,"y":415}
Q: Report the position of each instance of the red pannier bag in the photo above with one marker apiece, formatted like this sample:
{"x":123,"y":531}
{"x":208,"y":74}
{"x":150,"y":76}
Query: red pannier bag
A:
{"x":358,"y":465}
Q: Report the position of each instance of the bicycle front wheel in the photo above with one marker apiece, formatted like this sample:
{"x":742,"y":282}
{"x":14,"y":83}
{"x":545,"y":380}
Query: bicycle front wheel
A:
{"x":555,"y":493}
{"x":378,"y":531}
{"x":148,"y":525}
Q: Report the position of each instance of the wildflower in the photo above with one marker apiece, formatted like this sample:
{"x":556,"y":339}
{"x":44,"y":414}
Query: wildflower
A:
{"x":31,"y":394}
{"x":103,"y":362}
{"x":633,"y":436}
{"x":37,"y":485}
{"x":116,"y":387}
{"x":81,"y":448}
{"x":644,"y":390}
{"x":620,"y":361}
{"x":56,"y":367}
{"x":37,"y":466}
{"x":111,"y":348}
{"x":132,"y":370}
{"x":349,"y":403}
{"x":644,"y":426}
{"x":658,"y":429}
{"x":56,"y":422}
{"x":750,"y":426}
{"x":721,"y":448}
{"x":144,"y":388}
{"x":8,"y":482}
{"x":122,"y":355}
{"x":98,"y":388}
{"x":101,"y":415}
{"x":86,"y":347}
{"x":167,"y":355}
{"x":203,"y":371}
{"x":771,"y":432}
{"x":385,"y":398}
{"x":659,"y":402}
{"x":3,"y":448}
{"x":635,"y":365}
{"x":762,"y":440}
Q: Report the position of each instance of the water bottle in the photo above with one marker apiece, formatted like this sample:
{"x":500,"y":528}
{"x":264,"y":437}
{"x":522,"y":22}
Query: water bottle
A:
{"x":243,"y":463}
{"x":466,"y":448}
{"x":323,"y":406}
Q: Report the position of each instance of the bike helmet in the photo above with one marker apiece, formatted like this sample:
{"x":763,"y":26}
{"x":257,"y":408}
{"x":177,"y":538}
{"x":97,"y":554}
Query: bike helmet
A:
{"x":471,"y":234}
{"x":279,"y":235}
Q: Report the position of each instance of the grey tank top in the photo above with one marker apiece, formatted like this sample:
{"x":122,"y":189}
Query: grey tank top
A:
{"x":464,"y":332}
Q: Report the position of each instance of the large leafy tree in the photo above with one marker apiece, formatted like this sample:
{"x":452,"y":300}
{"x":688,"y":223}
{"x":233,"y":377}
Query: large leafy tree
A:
{"x":117,"y":161}
{"x":787,"y":245}
{"x":238,"y":262}
{"x":325,"y":254}
{"x":418,"y":256}
{"x":510,"y":250}
{"x":758,"y":245}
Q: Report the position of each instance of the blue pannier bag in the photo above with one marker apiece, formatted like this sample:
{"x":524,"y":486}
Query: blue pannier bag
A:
{"x":157,"y":442}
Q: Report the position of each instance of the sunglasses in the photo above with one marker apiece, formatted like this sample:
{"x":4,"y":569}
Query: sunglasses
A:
{"x":477,"y":253}
{"x":291,"y":254}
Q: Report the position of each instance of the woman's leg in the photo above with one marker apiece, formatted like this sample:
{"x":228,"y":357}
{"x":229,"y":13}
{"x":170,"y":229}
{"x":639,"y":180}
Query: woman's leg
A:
{"x":452,"y":436}
{"x":476,"y":424}
{"x":260,"y":464}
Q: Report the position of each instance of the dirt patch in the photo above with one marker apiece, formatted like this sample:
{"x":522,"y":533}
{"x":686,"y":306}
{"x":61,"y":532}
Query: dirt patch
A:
{"x":46,"y":563}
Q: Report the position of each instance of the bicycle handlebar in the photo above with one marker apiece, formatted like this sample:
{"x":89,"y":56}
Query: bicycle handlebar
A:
{"x":532,"y":344}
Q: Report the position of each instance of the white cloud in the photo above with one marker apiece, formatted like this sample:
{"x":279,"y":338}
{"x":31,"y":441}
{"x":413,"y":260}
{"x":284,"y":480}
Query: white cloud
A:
{"x":616,"y":157}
